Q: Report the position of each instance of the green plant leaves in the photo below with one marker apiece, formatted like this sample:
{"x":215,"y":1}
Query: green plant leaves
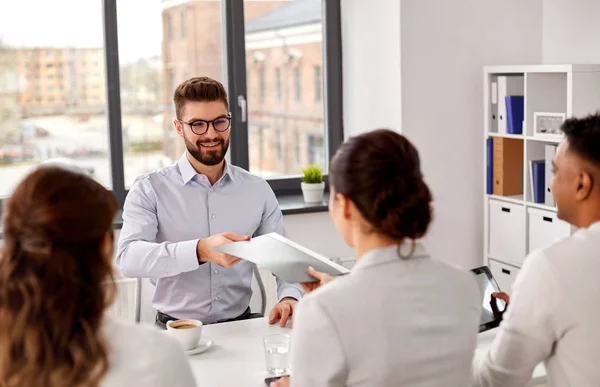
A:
{"x":312,"y":175}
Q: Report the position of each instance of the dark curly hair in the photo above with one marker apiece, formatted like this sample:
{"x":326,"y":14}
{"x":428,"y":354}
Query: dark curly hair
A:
{"x":380,"y":172}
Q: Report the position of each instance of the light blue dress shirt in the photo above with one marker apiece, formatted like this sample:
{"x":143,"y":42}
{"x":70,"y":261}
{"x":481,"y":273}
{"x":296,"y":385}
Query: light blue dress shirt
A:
{"x":165,"y":214}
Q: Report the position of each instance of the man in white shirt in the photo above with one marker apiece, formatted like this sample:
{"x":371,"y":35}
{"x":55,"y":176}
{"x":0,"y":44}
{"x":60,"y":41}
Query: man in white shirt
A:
{"x":554,"y":314}
{"x":174,"y":216}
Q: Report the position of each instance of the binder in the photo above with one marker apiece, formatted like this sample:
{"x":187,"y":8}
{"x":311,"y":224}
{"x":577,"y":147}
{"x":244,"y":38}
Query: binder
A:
{"x":508,"y":166}
{"x":549,"y":151}
{"x":515,"y":112}
{"x":494,"y":105}
{"x":507,"y":86}
{"x":490,"y":166}
{"x":538,"y":182}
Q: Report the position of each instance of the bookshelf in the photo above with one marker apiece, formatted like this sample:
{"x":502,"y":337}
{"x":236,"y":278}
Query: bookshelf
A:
{"x":514,"y":223}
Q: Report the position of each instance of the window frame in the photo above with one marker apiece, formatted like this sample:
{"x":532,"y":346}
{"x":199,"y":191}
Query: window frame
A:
{"x":235,"y":64}
{"x":332,"y":88}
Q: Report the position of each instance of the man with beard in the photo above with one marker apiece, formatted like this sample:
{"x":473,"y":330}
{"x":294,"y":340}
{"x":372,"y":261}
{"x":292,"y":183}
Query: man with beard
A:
{"x":173,"y":217}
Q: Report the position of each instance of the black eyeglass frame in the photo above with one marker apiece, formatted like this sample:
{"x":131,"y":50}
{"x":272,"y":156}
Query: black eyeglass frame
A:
{"x":208,"y":124}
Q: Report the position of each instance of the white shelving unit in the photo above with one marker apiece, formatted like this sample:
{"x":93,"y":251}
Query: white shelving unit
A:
{"x":515,"y":225}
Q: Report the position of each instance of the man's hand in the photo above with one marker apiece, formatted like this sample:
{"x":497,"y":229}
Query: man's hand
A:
{"x":498,"y":314}
{"x":283,"y":310}
{"x":207,"y":254}
{"x":282,"y":382}
{"x":321,"y":277}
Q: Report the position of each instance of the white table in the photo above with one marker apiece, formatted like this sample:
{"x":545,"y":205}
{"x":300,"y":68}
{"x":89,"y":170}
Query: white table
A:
{"x":237,"y":356}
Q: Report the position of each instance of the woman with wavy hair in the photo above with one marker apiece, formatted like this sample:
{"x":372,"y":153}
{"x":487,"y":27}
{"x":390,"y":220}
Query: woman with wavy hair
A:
{"x":400,"y":318}
{"x":56,"y":282}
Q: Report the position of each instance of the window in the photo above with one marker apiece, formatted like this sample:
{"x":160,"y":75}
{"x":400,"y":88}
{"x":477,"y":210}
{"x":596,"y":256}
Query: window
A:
{"x":150,"y":74}
{"x":315,"y":149}
{"x":295,"y":63}
{"x":183,"y":25}
{"x":169,"y":27}
{"x":297,"y":147}
{"x":21,"y":146}
{"x":297,"y":85}
{"x":277,"y":145}
{"x":278,"y":84}
{"x":142,"y":137}
{"x":261,"y":84}
{"x":318,"y":83}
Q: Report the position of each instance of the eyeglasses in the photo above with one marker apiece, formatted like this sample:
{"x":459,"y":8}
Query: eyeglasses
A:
{"x":200,"y":127}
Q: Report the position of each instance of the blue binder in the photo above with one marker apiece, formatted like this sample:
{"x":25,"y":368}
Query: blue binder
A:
{"x":490,"y":166}
{"x":539,"y":181}
{"x":515,"y":112}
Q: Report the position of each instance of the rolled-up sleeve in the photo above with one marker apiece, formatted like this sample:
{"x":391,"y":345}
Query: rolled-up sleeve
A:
{"x":138,"y":254}
{"x":272,"y":221}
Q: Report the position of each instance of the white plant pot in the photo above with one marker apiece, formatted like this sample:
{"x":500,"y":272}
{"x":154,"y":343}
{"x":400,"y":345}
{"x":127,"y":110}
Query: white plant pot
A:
{"x":313,"y":193}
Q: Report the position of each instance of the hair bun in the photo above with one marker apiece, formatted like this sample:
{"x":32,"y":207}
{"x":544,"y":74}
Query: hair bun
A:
{"x":380,"y":172}
{"x":405,"y":214}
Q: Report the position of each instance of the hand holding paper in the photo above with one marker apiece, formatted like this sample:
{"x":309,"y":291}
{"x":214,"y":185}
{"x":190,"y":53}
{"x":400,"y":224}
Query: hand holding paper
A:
{"x":284,"y":258}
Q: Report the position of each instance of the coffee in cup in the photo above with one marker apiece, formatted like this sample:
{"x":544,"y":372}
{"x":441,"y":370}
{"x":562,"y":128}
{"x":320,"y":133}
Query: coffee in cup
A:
{"x":186,"y":332}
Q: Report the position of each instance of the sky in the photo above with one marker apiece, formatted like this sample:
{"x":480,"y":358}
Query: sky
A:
{"x":78,"y":23}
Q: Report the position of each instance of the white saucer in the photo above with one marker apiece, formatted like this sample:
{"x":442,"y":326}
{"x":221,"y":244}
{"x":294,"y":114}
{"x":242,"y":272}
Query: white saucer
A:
{"x":202,"y":346}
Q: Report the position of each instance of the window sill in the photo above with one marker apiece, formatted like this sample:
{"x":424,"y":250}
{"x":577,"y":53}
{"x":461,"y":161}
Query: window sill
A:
{"x":290,"y":204}
{"x":294,"y":204}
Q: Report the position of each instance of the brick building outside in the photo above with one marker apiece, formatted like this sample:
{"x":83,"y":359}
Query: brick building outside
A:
{"x":284,"y":74}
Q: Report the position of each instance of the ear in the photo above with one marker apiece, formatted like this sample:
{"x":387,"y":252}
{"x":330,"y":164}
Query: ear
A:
{"x":178,"y":127}
{"x":344,"y":204}
{"x":108,"y":245}
{"x":585,"y":183}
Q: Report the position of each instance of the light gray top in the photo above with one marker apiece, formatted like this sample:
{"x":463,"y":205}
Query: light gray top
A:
{"x":391,"y":322}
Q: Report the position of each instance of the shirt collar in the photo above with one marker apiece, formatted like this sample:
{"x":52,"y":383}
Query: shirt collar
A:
{"x":387,"y":254}
{"x":188,"y":172}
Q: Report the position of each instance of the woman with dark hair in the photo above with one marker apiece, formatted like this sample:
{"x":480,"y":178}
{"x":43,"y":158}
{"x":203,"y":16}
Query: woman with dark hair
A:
{"x":401,"y":318}
{"x":56,"y":282}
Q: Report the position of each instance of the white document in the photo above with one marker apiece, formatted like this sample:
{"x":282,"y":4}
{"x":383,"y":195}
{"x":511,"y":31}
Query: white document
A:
{"x":284,"y":258}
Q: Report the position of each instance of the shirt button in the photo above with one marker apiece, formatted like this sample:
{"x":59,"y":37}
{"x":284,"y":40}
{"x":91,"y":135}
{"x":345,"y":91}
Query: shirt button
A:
{"x":212,"y":190}
{"x":190,"y":267}
{"x":166,"y":273}
{"x":216,"y":298}
{"x":216,"y":271}
{"x":213,"y":216}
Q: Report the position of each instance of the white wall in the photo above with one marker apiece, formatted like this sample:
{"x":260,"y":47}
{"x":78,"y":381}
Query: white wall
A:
{"x":371,"y":65}
{"x":444,"y":45}
{"x":571,"y":31}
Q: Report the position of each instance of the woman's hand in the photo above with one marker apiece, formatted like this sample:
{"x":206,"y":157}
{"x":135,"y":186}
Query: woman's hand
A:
{"x":283,"y":382}
{"x":321,"y":277}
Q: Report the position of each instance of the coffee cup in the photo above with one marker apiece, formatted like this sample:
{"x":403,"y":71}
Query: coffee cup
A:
{"x":186,"y":332}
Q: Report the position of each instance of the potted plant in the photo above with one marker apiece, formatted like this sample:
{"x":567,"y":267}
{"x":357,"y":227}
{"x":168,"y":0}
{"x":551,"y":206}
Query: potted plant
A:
{"x":312,"y":184}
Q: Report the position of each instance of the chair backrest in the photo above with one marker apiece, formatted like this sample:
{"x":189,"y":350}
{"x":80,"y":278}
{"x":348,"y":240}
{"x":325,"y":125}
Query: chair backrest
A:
{"x":258,"y":302}
{"x":127,"y":304}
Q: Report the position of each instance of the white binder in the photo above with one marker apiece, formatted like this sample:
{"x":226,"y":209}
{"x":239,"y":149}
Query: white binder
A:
{"x":550,"y":151}
{"x":507,"y":86}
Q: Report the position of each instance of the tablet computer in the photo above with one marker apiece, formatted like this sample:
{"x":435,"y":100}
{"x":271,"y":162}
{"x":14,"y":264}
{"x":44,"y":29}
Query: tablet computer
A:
{"x":284,"y":258}
{"x":487,"y":286}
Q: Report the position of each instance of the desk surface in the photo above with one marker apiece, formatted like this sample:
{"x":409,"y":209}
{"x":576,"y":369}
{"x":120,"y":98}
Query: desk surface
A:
{"x":237,"y":356}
